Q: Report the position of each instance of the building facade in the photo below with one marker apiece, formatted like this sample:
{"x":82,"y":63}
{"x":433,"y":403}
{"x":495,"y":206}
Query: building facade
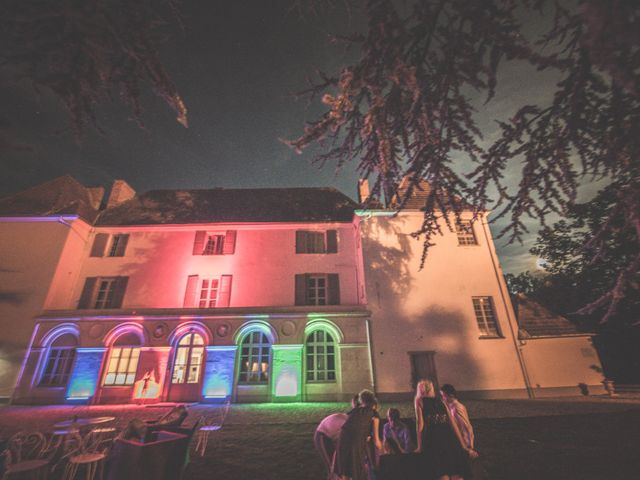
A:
{"x":269,"y":295}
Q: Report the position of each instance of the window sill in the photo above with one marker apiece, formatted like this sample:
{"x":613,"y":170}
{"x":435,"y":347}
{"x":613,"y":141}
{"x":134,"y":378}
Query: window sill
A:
{"x":321,"y":382}
{"x":492,"y":337}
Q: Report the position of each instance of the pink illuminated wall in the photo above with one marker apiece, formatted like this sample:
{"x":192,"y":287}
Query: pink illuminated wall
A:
{"x":159,"y":260}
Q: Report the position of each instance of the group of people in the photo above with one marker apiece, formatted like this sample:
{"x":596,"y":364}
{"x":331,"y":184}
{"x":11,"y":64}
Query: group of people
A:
{"x":351,"y":447}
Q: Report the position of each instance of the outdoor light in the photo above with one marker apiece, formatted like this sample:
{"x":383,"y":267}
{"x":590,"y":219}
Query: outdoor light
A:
{"x":287,"y":372}
{"x":219,"y":371}
{"x":86,"y":369}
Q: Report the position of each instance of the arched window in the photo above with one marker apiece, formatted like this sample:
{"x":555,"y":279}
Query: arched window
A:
{"x":189,"y":358}
{"x":255,"y":357}
{"x":62,"y":353}
{"x":123,"y":361}
{"x":321,"y":357}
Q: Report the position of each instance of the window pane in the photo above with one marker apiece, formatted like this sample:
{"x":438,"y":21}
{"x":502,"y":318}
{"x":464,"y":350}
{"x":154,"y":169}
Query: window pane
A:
{"x":320,"y":355}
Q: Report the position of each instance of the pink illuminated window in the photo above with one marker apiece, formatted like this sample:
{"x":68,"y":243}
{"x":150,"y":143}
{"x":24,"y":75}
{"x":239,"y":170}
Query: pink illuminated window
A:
{"x":189,"y":358}
{"x":59,"y":362}
{"x":464,"y":230}
{"x":321,"y":357}
{"x":311,"y":241}
{"x":485,"y":316}
{"x":123,"y":361}
{"x":118,"y":245}
{"x":255,"y":353}
{"x":317,"y":289}
{"x":208,"y":293}
{"x":103,"y":292}
{"x":214,"y":245}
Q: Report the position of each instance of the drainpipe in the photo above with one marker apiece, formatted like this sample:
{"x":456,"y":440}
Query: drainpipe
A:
{"x":507,"y":304}
{"x":373,"y":377}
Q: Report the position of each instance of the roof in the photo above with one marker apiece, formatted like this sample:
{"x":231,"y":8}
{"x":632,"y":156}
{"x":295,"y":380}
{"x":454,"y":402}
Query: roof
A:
{"x":419,"y":195}
{"x":222,"y":205}
{"x":61,"y":196}
{"x":536,"y":320}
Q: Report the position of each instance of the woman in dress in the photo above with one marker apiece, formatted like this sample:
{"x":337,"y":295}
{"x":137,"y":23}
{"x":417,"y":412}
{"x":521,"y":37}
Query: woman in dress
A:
{"x":439,"y":440}
{"x":459,"y":414}
{"x":352,"y":458}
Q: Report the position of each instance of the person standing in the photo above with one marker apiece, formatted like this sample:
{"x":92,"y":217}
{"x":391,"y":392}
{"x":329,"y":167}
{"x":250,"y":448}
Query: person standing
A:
{"x":326,"y":436}
{"x":459,"y":414}
{"x":352,"y":458}
{"x":440,"y":443}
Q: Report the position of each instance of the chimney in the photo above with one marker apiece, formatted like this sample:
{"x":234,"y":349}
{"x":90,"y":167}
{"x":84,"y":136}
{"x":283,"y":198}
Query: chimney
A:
{"x":121,"y":191}
{"x":96,"y":194}
{"x":363,"y":190}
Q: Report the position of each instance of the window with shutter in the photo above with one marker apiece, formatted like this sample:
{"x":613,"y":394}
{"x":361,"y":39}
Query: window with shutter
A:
{"x":308,"y":241}
{"x":103,"y":292}
{"x":317,"y":289}
{"x":214,"y":243}
{"x":118,"y":245}
{"x":99,"y":245}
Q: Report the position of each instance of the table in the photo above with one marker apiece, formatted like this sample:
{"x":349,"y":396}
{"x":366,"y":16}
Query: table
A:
{"x":83,"y":422}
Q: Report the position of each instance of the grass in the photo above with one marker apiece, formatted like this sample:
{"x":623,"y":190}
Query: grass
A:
{"x":580,"y":438}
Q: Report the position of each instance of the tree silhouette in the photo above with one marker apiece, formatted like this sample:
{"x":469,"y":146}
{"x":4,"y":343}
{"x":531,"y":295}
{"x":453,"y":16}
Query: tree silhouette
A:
{"x":403,"y":109}
{"x":85,"y":53}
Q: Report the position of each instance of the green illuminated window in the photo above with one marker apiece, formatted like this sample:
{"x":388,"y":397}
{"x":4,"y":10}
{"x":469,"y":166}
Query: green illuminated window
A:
{"x":321,"y":357}
{"x":255,"y":356}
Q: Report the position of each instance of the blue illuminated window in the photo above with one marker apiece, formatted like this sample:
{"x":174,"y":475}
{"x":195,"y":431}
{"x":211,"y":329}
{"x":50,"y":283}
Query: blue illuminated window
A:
{"x":59,"y":362}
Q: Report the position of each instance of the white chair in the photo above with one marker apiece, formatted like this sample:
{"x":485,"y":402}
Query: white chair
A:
{"x":210,"y":425}
{"x":24,"y":457}
{"x":89,"y":455}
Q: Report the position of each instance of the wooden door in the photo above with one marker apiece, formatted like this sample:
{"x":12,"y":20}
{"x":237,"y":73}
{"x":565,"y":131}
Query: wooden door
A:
{"x":423,"y":365}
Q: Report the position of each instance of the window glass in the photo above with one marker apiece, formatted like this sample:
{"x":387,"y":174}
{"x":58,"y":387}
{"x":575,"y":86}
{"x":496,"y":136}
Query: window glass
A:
{"x":464,"y":230}
{"x":485,"y":317}
{"x":59,"y":362}
{"x":208,"y":293}
{"x":255,"y":358}
{"x":214,"y":245}
{"x":320,"y":353}
{"x":123,"y":362}
{"x":189,"y":359}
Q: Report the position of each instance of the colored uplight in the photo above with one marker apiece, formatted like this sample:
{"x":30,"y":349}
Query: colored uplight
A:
{"x":84,"y":378}
{"x":287,"y":384}
{"x":218,"y":374}
{"x":287,"y":372}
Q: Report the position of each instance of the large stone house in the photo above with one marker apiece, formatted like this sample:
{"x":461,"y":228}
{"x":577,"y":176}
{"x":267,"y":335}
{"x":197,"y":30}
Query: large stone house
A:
{"x":292,"y":294}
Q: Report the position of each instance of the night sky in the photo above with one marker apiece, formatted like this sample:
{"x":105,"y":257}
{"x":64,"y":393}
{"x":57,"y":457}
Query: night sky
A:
{"x":236,"y":66}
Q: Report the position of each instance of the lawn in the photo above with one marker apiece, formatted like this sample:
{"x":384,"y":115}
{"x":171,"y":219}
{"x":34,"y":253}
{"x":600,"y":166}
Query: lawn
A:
{"x":578,"y":438}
